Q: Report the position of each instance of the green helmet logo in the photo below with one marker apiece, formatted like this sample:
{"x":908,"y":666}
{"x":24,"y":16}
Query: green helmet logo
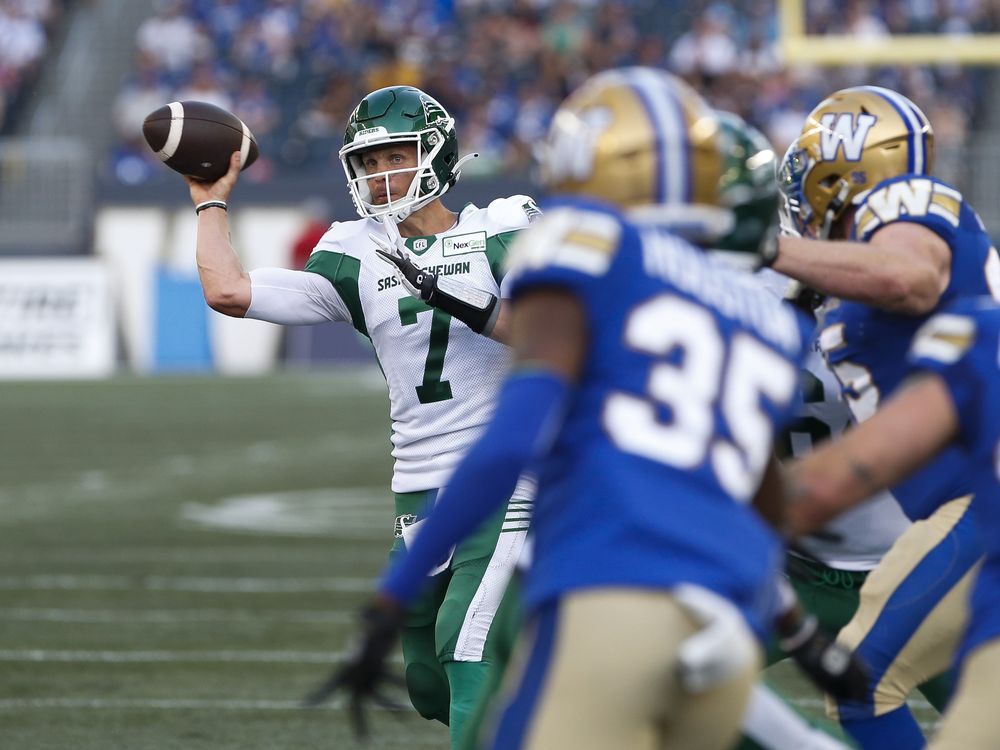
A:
{"x":400,"y":114}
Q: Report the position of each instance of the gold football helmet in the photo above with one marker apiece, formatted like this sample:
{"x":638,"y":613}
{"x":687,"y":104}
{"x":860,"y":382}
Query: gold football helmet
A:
{"x":853,"y":140}
{"x":643,"y":140}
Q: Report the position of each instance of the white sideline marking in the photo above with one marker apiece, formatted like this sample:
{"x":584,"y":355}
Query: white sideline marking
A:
{"x":188,"y":583}
{"x":178,"y":657}
{"x":316,"y":512}
{"x":171,"y":616}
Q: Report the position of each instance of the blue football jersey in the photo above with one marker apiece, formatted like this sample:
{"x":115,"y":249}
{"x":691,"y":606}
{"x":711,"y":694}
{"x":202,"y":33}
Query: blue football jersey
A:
{"x":866,"y":347}
{"x":962,"y":345}
{"x":690,"y":367}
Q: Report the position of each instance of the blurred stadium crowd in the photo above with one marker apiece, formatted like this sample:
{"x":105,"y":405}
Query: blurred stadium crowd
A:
{"x":293,"y":69}
{"x":26,"y":28}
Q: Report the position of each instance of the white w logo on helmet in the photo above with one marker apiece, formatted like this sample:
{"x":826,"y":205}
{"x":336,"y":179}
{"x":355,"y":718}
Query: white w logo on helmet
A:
{"x":569,"y":151}
{"x":841,"y":129}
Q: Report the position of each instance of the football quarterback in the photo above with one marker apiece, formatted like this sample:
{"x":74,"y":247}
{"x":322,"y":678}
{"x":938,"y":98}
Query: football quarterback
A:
{"x":401,"y":156}
{"x":889,"y":244}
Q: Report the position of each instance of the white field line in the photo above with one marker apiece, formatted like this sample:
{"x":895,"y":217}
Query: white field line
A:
{"x":175,"y":616}
{"x":174,"y":657}
{"x":36,"y":498}
{"x":168,"y":704}
{"x":241,"y":585}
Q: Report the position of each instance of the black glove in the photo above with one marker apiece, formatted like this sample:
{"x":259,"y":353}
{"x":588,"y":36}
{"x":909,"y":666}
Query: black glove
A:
{"x":832,"y":667}
{"x":364,"y":672}
{"x":474,"y":307}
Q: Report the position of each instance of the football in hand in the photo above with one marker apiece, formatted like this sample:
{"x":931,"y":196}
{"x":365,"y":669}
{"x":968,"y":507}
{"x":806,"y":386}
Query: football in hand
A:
{"x":197,"y":138}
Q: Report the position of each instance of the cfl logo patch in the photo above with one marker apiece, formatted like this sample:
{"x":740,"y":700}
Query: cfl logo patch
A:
{"x":841,"y":130}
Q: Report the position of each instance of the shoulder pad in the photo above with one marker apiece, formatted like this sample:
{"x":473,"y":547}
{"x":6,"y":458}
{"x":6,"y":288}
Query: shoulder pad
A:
{"x":906,"y":197}
{"x":350,"y":237}
{"x":514,"y":212}
{"x":945,"y":337}
{"x":568,"y":237}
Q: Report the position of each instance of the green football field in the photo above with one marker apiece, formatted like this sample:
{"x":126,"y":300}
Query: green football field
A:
{"x":182,"y":558}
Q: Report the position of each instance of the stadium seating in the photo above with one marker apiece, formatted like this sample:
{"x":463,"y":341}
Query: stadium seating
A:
{"x":26,"y":28}
{"x":293,"y":69}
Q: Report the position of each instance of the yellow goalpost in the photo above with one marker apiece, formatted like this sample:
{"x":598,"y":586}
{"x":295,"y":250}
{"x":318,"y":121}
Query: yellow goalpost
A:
{"x":899,"y":49}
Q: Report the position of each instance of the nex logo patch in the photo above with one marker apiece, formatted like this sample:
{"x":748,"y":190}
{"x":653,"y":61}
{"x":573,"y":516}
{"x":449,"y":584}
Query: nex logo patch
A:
{"x":841,"y":130}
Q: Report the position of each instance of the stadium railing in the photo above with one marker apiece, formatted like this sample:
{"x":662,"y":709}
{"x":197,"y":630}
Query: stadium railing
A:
{"x":46,"y":196}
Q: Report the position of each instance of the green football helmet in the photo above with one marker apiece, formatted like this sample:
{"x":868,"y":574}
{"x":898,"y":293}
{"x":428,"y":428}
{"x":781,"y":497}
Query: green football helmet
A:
{"x":747,"y":187}
{"x":401,"y":114}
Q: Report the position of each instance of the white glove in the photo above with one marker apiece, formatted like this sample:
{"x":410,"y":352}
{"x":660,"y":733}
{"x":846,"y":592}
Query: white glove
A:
{"x":722,"y":647}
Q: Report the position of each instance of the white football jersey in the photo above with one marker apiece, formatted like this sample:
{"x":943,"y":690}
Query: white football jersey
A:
{"x":864,"y":533}
{"x":867,"y":531}
{"x":443,"y":377}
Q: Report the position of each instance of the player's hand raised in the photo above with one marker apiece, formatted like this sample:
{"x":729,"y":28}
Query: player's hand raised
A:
{"x":415,"y":280}
{"x":202,"y":190}
{"x":364,"y":673}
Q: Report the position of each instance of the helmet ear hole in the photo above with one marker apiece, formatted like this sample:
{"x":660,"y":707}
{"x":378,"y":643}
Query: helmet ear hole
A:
{"x":829,"y":181}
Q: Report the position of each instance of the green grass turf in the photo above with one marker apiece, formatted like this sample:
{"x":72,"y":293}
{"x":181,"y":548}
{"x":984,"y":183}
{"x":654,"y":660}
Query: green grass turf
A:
{"x":130,"y":617}
{"x":181,"y":559}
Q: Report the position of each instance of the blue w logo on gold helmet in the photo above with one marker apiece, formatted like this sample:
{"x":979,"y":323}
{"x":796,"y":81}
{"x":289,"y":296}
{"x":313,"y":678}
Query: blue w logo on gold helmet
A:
{"x":643,"y":140}
{"x":853,"y":140}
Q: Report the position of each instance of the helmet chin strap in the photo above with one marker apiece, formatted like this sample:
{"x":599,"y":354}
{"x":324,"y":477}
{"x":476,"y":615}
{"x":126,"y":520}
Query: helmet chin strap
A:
{"x":404,"y":213}
{"x":834,"y":209}
{"x":390,"y":224}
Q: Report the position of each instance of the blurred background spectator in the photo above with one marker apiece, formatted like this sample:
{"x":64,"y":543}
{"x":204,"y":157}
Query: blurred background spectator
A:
{"x":293,"y":69}
{"x":26,"y":27}
{"x":318,"y":216}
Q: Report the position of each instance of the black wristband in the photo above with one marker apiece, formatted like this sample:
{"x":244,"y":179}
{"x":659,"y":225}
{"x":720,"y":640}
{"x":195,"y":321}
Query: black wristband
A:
{"x":210,"y":204}
{"x":480,"y":320}
{"x":476,"y":308}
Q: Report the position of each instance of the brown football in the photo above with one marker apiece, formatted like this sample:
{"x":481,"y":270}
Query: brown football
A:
{"x":196,"y":138}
